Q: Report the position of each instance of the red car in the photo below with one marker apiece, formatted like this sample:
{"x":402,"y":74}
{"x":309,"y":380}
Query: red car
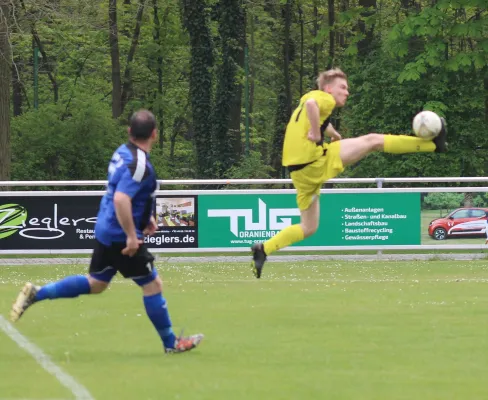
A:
{"x":460,"y":222}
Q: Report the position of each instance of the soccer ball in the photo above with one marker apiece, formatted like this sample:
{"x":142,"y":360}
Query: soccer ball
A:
{"x":427,"y":124}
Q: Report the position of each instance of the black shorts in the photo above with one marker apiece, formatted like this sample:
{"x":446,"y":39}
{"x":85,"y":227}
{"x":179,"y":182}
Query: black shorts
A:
{"x":139,"y":265}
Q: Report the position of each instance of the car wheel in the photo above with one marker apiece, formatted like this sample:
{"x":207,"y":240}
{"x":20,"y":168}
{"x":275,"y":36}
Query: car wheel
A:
{"x":440,"y":234}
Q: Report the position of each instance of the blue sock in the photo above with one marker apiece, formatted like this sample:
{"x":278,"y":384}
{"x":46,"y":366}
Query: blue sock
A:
{"x":71,"y":286}
{"x":157,"y":311}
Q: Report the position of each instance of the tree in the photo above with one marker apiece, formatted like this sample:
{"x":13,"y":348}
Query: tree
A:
{"x":228,"y":98}
{"x":159,"y":69}
{"x":183,"y":60}
{"x":127,"y":81}
{"x":5,"y":76}
{"x":283,"y":111}
{"x":443,"y":201}
{"x":195,"y":20}
{"x":365,"y":44}
{"x":113,"y":38}
{"x":331,"y":12}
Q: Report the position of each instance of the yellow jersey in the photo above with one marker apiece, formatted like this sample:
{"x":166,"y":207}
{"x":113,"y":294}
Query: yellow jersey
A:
{"x":297,"y":149}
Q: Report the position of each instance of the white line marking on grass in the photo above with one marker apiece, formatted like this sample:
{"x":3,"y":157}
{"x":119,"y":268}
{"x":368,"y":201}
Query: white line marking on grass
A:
{"x":45,"y":362}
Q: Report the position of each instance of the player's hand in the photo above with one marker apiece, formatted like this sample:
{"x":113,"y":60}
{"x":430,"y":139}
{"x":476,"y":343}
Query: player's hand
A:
{"x":151,"y":227}
{"x":314,"y":137}
{"x":335,"y":136}
{"x":132,"y":245}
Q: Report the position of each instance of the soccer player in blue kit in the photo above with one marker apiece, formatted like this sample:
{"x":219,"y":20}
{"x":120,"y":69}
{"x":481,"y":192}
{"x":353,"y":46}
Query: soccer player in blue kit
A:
{"x":125,"y":216}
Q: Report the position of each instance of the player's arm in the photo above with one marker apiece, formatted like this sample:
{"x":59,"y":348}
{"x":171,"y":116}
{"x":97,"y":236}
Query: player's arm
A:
{"x":313,"y":114}
{"x":123,"y":210}
{"x":332,"y":133}
{"x":151,"y":228}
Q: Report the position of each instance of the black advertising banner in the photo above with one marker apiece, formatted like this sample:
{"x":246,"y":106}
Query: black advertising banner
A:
{"x":35,"y":223}
{"x":177,"y":223}
{"x":68,"y":222}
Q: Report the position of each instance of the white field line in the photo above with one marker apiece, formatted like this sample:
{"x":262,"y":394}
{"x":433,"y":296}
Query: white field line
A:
{"x":79,"y":391}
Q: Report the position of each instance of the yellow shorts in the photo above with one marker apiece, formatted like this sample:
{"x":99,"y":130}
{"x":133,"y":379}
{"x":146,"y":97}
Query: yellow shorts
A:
{"x":308,"y":180}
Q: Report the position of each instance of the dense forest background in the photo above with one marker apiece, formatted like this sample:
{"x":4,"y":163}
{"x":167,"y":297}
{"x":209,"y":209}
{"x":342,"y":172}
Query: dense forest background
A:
{"x":223,"y":76}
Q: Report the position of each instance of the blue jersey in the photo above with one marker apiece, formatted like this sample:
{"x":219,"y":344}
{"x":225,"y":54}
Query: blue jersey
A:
{"x":129,"y":172}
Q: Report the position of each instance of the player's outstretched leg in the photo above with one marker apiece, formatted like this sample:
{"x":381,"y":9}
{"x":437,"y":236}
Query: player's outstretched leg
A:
{"x":258,"y":259}
{"x":157,"y":311}
{"x":69,"y":287}
{"x":24,"y":300}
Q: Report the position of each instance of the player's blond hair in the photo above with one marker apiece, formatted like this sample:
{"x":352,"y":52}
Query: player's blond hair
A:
{"x":329,"y":76}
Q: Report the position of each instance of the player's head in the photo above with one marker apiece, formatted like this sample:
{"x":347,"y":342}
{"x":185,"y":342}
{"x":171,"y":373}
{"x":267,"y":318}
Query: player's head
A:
{"x":142,"y":126}
{"x":334,"y":82}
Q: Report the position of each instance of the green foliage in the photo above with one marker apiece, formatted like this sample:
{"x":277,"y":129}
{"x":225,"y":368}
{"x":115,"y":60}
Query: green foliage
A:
{"x":481,"y":200}
{"x":441,"y":201}
{"x":49,"y":144}
{"x":399,"y":60}
{"x":251,"y":167}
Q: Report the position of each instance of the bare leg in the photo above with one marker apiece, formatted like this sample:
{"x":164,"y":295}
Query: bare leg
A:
{"x":309,"y":218}
{"x":153,"y":287}
{"x":355,"y":149}
{"x":96,"y":286}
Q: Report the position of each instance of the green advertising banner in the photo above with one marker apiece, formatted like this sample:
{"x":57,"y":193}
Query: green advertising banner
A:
{"x":365,"y":219}
{"x":346,"y":219}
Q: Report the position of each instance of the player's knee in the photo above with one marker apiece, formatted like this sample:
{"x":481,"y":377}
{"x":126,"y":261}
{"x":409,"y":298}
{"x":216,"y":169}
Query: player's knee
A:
{"x":153,"y":287}
{"x":97,"y":286}
{"x":309,"y":228}
{"x":375,"y":141}
{"x":158,"y":284}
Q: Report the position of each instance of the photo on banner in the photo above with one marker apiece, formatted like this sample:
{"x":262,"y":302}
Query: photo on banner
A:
{"x":176,"y":217}
{"x":451,"y":218}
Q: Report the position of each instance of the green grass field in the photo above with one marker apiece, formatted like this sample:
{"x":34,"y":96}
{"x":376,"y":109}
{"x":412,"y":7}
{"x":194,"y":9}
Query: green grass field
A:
{"x":336,"y":330}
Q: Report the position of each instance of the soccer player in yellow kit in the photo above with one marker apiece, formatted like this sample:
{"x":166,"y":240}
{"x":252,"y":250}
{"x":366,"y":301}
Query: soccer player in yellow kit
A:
{"x":311,"y":162}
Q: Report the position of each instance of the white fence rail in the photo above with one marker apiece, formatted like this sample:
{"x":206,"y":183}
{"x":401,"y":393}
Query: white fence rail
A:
{"x":252,"y":181}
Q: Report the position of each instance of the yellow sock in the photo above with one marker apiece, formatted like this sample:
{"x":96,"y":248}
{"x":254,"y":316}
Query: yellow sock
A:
{"x":291,"y":234}
{"x":399,"y":144}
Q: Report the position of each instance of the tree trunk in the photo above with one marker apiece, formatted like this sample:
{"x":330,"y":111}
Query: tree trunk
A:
{"x":415,"y":44}
{"x":364,"y":45}
{"x":159,"y":71}
{"x":283,"y":111}
{"x":315,"y":47}
{"x":287,"y":57}
{"x":251,"y":71}
{"x":300,"y":19}
{"x":113,"y":37}
{"x":127,"y":84}
{"x":5,"y":76}
{"x":196,"y":22}
{"x":331,"y":13}
{"x":226,"y":116}
{"x":341,"y":39}
{"x":47,"y":63}
{"x":236,"y":100}
{"x":485,"y":85}
{"x":17,"y":87}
